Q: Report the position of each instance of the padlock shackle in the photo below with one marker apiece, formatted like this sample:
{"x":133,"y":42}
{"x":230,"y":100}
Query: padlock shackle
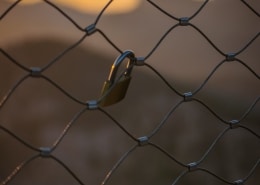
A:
{"x":127,"y":54}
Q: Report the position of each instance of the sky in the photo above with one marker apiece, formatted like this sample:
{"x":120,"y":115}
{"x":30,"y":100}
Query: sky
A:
{"x":91,"y":6}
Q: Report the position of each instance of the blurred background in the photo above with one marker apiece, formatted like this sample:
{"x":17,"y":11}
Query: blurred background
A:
{"x":34,"y":33}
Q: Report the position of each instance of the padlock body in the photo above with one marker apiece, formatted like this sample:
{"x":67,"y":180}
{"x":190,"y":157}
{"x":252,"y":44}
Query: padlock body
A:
{"x":117,"y":92}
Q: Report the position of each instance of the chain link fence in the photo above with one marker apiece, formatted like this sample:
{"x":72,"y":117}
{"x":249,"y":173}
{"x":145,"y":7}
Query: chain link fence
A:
{"x":170,"y":151}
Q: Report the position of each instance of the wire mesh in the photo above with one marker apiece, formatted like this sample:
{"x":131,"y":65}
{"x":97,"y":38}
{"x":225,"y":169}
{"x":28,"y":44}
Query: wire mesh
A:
{"x":145,"y":141}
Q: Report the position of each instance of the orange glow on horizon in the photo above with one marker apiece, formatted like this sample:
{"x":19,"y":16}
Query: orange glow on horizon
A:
{"x":91,"y":6}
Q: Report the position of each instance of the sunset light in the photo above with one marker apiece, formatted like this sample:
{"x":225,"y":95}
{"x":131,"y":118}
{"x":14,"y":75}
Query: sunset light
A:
{"x":90,"y":6}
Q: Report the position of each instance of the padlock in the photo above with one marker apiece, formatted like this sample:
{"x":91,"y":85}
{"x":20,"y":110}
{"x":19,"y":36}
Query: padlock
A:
{"x":113,"y":90}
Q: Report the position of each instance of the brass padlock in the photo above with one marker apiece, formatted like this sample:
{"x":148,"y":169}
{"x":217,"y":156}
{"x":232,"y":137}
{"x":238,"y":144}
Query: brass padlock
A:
{"x":114,"y":91}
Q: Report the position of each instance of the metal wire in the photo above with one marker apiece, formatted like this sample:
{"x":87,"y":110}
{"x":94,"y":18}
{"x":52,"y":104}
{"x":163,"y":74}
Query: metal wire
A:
{"x":47,"y":152}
